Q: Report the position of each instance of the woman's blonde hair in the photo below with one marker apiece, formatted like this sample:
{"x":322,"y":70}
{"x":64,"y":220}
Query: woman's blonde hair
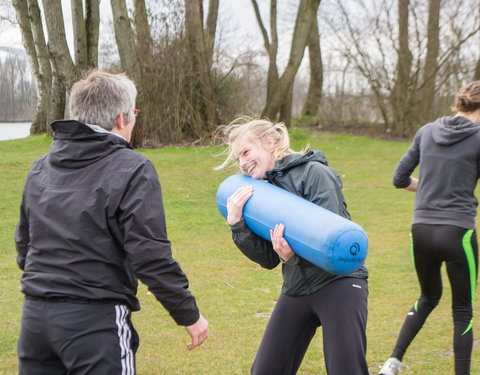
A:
{"x":257,"y":130}
{"x":468,"y":98}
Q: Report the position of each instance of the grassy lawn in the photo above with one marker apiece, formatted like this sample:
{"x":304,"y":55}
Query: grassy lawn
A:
{"x":234,"y":294}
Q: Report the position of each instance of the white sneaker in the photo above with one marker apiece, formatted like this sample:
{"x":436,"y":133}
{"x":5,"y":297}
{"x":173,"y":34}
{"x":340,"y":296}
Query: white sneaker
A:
{"x":392,"y":366}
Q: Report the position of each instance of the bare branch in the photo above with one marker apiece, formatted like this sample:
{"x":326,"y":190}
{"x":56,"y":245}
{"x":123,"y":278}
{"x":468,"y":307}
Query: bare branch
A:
{"x":266,"y":42}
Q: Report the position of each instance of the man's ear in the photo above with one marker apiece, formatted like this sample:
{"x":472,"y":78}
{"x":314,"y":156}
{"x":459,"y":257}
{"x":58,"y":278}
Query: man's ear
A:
{"x":120,"y":122}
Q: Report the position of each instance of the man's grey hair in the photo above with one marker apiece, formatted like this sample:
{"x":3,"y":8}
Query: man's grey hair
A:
{"x":101,"y":97}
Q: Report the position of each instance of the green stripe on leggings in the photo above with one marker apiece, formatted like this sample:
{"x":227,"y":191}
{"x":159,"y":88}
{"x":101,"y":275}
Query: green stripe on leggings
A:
{"x":415,"y":305}
{"x":467,"y":247}
{"x":411,"y":248}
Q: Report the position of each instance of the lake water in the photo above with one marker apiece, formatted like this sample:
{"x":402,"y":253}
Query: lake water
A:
{"x":14,"y":130}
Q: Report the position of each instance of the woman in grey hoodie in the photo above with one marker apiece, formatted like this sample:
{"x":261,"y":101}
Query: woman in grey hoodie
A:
{"x":443,"y":227}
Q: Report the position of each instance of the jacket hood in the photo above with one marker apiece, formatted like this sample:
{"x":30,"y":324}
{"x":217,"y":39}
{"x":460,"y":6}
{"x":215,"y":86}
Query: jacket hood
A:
{"x":450,"y":130}
{"x":76,"y":145}
{"x":292,"y":160}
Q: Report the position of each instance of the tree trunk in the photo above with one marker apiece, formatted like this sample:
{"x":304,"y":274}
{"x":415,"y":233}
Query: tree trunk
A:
{"x":271,"y":46}
{"x":286,"y":108}
{"x":41,"y":120}
{"x":427,"y":93}
{"x":128,"y":57}
{"x":400,"y":97}
{"x":58,"y":99}
{"x":211,"y":29}
{"x":79,"y":34}
{"x":476,"y":76}
{"x":314,"y":96}
{"x":23,"y":19}
{"x":144,"y":39}
{"x":64,"y":67}
{"x":205,"y":97}
{"x":92,"y":25}
{"x":307,"y":12}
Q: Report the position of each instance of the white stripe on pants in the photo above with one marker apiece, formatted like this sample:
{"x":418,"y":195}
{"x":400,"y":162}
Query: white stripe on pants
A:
{"x":124,"y":337}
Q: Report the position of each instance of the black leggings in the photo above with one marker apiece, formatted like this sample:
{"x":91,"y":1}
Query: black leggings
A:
{"x":340,"y":308}
{"x":457,"y":247}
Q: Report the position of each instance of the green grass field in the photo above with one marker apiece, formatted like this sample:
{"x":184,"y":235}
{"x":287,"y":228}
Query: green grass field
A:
{"x":234,"y":294}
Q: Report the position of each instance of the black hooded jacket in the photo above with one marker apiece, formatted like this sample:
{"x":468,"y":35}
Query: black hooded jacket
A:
{"x":448,"y":152}
{"x":308,"y":176}
{"x":92,"y":222}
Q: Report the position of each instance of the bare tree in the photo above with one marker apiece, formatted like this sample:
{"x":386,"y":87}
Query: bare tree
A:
{"x":201,"y":39}
{"x":314,"y":95}
{"x":92,"y":29}
{"x":144,"y":40}
{"x":280,"y":88}
{"x":402,"y":87}
{"x":53,"y":68}
{"x":427,"y":91}
{"x":80,"y":34}
{"x":21,"y":9}
{"x":64,"y":67}
{"x":44,"y":79}
{"x":211,"y":28}
{"x":127,"y":50}
{"x":476,"y":76}
{"x":271,"y":44}
{"x":86,"y":32}
{"x":401,"y":98}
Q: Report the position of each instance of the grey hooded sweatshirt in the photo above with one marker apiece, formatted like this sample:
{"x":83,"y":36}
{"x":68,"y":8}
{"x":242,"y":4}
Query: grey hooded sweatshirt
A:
{"x":448,"y":151}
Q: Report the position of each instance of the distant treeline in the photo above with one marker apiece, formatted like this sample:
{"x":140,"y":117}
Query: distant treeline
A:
{"x":18,"y":96}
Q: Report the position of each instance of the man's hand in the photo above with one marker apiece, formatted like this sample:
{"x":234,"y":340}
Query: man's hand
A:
{"x":198,"y":332}
{"x":280,"y":245}
{"x":236,"y":202}
{"x":413,"y":184}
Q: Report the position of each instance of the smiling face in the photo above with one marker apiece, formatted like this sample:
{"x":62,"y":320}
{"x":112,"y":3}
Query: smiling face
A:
{"x":254,"y":157}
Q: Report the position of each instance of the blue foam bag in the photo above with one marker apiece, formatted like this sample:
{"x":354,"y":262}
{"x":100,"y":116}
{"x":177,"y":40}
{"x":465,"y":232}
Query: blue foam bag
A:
{"x":328,"y":240}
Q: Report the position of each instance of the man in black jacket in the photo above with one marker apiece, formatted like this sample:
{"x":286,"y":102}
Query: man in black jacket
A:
{"x":91,"y":223}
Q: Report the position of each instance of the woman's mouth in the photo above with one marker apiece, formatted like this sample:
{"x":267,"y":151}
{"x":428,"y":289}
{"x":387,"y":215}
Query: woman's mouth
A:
{"x":249,"y":169}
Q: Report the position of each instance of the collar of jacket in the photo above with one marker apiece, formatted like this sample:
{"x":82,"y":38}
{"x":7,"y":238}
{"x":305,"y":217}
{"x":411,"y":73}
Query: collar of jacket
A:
{"x":76,"y":145}
{"x":292,"y":160}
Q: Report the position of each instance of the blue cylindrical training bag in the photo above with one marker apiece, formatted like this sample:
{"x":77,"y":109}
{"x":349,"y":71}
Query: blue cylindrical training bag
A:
{"x":327,"y":240}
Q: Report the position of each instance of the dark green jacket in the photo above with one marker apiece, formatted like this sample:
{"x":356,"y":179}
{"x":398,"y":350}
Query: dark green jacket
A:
{"x":308,"y":176}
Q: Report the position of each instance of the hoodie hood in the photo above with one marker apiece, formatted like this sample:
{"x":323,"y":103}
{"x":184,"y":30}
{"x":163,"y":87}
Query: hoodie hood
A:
{"x":292,"y":160}
{"x":76,"y":145}
{"x":450,"y":130}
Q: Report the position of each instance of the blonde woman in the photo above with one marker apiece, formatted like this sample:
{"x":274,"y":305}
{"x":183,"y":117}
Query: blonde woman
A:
{"x":310,"y":297}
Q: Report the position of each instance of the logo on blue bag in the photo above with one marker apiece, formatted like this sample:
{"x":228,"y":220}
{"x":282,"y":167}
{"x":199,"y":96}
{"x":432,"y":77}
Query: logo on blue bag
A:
{"x":354,"y":249}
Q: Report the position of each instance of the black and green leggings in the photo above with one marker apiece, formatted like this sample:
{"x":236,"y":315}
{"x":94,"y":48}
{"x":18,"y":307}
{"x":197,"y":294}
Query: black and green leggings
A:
{"x":457,"y":247}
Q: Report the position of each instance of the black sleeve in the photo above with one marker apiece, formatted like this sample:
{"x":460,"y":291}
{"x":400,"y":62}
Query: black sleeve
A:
{"x":254,"y":247}
{"x":22,"y":237}
{"x":142,"y":219}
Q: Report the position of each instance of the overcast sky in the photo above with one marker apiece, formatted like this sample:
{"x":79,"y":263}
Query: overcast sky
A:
{"x":235,"y":15}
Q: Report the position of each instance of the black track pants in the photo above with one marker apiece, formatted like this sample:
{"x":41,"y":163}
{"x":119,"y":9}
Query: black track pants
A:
{"x":457,"y":247}
{"x":57,"y":338}
{"x":340,"y":308}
